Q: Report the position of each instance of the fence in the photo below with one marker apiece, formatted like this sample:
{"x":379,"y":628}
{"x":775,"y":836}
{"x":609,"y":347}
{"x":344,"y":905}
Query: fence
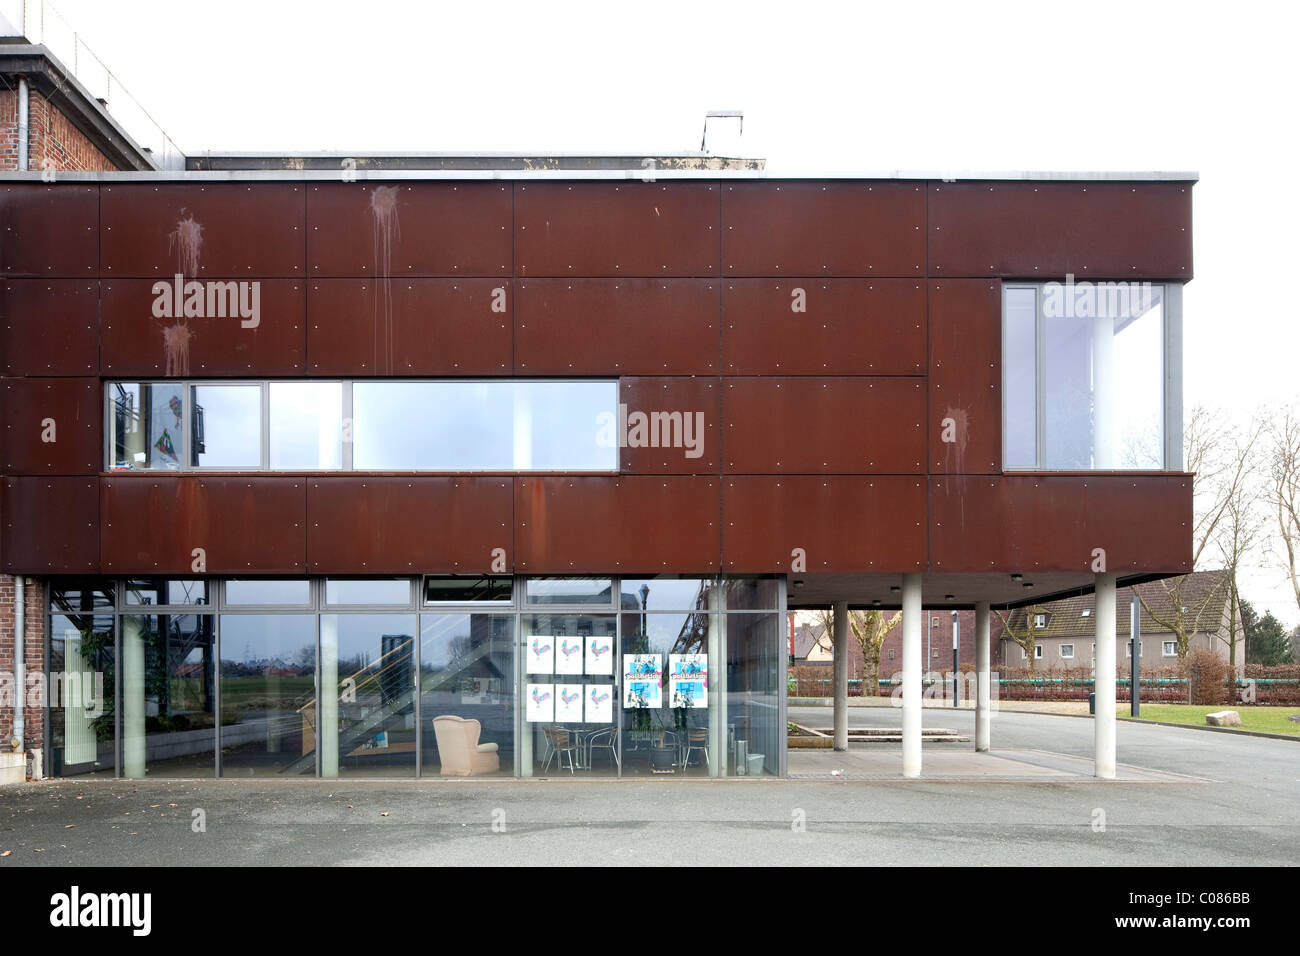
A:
{"x":1278,"y":686}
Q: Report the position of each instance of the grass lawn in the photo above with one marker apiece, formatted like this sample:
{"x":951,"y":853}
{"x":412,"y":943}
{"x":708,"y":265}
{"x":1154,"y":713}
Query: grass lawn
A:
{"x":1271,"y":720}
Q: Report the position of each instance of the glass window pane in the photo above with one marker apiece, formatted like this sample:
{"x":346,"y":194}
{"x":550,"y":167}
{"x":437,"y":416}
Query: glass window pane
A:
{"x":666,"y":683}
{"x":1104,"y":376}
{"x":168,"y":696}
{"x":483,"y":426}
{"x":227,"y":426}
{"x":559,"y":425}
{"x":82,"y":687}
{"x":571,"y":703}
{"x":306,"y":425}
{"x":467,"y":672}
{"x":367,"y":695}
{"x":755,"y":658}
{"x":166,"y":591}
{"x":594,"y":591}
{"x":1019,"y":378}
{"x":448,"y":590}
{"x":290,"y":593}
{"x":268,"y":695}
{"x":368,"y":591}
{"x":434,"y":426}
{"x":664,"y":594}
{"x":147,"y":425}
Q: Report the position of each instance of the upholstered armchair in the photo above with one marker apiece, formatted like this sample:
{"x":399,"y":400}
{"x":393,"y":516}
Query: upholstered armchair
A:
{"x":459,"y":751}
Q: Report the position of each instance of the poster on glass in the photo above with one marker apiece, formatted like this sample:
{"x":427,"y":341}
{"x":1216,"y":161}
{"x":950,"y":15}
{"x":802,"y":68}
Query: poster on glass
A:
{"x":600,"y":655}
{"x":568,"y":655}
{"x":688,"y":680}
{"x":541,"y":703}
{"x":568,"y":703}
{"x":642,"y":681}
{"x":541,"y":655}
{"x":600,"y":703}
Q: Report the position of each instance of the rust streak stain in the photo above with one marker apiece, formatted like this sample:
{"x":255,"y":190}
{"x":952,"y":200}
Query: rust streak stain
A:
{"x":385,"y":227}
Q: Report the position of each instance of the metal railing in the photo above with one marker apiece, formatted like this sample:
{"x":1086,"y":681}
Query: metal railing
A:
{"x":41,"y":23}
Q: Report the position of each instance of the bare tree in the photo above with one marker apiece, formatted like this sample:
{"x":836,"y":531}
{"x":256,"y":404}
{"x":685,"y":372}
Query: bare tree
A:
{"x":1284,"y":489}
{"x":869,"y":629}
{"x":1242,"y":528}
{"x":1022,"y":633}
{"x":1222,"y":477}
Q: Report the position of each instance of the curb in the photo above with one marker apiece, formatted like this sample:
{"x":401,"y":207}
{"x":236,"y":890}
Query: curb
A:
{"x":1217,"y":730}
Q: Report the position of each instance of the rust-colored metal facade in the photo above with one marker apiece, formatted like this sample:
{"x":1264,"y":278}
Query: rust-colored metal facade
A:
{"x":824,"y":330}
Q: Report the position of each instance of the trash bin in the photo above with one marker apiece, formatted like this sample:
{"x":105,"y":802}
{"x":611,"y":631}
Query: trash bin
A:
{"x":741,"y":746}
{"x":1092,"y":704}
{"x":753,"y":765}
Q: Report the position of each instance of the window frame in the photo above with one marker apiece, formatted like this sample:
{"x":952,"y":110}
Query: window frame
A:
{"x":1064,"y":656}
{"x":346,"y":466}
{"x":1171,"y":374}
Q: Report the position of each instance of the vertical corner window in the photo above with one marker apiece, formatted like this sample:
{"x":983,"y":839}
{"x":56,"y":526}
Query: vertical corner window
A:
{"x":1084,"y":376}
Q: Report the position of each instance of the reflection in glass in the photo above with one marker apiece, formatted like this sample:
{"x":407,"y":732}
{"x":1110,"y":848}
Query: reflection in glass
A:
{"x":753,"y":714}
{"x":575,"y":730}
{"x":343,"y":591}
{"x":367,"y":701}
{"x":306,"y":422}
{"x":227,"y":426}
{"x":82,"y":676}
{"x":460,"y":589}
{"x":168,"y":703}
{"x":268,"y":695}
{"x":467,"y":671}
{"x":665,"y":593}
{"x":167,"y":591}
{"x":595,"y":591}
{"x":657,"y":738}
{"x":482,"y":426}
{"x":1019,"y":377}
{"x":147,"y":425}
{"x":264,"y":593}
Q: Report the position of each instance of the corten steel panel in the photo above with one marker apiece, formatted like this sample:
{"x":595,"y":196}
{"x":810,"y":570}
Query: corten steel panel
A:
{"x":965,"y":420}
{"x":629,"y":229}
{"x":49,"y":230}
{"x":244,"y":525}
{"x":617,"y":326}
{"x":408,"y":525}
{"x":849,"y":327}
{"x":823,"y":229}
{"x":135,"y":342}
{"x":52,"y":426}
{"x":409,"y":326}
{"x":209,"y":230}
{"x":660,"y":446}
{"x":841,"y":523}
{"x":50,"y":525}
{"x":1106,"y":230}
{"x":49,"y":327}
{"x":1057,"y":523}
{"x":813,"y":426}
{"x":628,"y":525}
{"x":359,"y":230}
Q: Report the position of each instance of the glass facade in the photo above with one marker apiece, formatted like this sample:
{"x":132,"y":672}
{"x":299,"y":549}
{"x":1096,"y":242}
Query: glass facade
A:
{"x":1084,"y":376}
{"x":398,"y":677}
{"x":437,"y":426}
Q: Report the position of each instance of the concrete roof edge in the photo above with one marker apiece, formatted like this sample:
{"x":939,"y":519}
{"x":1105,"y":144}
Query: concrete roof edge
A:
{"x":322,"y":175}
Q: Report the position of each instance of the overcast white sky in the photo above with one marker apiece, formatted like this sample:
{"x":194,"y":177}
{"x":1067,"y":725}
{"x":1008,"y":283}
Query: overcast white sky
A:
{"x":824,"y":86}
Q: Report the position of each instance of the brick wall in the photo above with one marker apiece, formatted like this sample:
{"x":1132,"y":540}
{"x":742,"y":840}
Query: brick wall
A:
{"x":50,"y":136}
{"x":33,"y":656}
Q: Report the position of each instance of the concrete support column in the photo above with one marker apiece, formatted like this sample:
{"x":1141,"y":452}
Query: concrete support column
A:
{"x":841,"y":674}
{"x":1104,"y":682}
{"x":911,"y":675}
{"x":982,"y":676}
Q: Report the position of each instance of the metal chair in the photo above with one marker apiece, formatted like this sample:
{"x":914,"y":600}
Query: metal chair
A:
{"x":561,"y":744}
{"x":697,"y":738}
{"x":604,"y":740}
